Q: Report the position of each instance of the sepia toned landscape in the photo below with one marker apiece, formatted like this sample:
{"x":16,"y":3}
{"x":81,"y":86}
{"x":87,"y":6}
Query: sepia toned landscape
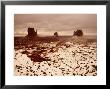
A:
{"x":55,"y":45}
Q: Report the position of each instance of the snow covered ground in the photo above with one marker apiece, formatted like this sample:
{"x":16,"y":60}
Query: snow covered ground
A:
{"x":68,"y":59}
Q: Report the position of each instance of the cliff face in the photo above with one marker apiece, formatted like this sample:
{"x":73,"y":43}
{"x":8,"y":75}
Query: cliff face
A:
{"x":31,"y":32}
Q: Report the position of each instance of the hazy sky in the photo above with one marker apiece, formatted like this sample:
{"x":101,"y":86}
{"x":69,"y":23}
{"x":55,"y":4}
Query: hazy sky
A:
{"x":47,"y":24}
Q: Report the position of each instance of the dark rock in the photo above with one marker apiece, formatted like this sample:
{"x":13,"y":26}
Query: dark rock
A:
{"x":56,"y":34}
{"x":25,"y":52}
{"x":94,"y":66}
{"x":35,"y":57}
{"x":78,"y":33}
{"x":31,"y":32}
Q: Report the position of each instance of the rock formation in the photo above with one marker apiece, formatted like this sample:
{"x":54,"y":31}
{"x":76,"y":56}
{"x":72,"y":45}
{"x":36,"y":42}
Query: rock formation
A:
{"x":56,"y":34}
{"x":31,"y":32}
{"x":78,"y":33}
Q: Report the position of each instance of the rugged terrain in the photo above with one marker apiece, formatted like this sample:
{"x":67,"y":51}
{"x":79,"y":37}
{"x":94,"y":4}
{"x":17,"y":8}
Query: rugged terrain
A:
{"x":71,"y":56}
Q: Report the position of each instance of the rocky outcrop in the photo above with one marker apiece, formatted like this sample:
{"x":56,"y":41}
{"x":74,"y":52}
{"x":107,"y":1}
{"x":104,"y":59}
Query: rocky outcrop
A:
{"x":56,"y":34}
{"x":78,"y":33}
{"x":31,"y":32}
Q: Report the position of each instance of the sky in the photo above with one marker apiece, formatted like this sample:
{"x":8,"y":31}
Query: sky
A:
{"x":47,"y":24}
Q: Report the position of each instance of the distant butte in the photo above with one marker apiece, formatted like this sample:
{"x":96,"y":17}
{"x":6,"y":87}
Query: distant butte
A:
{"x":31,"y":33}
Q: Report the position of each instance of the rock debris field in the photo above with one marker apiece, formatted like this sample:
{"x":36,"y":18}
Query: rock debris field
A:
{"x":76,"y":57}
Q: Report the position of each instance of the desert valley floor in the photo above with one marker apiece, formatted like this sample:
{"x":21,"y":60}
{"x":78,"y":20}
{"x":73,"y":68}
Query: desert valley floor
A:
{"x":70,"y":57}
